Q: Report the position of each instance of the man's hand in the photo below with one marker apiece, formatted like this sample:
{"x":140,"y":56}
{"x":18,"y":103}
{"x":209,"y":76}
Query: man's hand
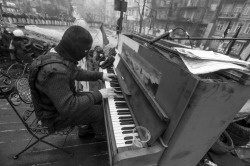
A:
{"x":108,"y":76}
{"x":108,"y":92}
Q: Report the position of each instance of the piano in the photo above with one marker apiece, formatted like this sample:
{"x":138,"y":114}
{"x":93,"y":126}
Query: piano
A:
{"x":184,"y":113}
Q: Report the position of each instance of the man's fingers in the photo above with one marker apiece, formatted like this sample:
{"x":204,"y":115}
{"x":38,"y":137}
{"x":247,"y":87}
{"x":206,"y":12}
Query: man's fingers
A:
{"x":111,"y":75}
{"x":112,"y":94}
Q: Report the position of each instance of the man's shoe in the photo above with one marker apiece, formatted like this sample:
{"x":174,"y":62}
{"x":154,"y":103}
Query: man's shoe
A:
{"x":84,"y":130}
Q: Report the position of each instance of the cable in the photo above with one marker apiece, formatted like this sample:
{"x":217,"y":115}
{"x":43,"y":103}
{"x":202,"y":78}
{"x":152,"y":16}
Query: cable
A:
{"x":168,"y":33}
{"x":161,"y":36}
{"x":187,"y":34}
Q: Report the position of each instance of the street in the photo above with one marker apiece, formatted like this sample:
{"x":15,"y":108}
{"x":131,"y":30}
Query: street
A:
{"x":56,"y":32}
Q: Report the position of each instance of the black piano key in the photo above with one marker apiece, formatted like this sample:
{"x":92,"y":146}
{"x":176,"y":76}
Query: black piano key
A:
{"x":126,"y":120}
{"x":127,"y":128}
{"x":114,"y":84}
{"x":121,"y":106}
{"x":123,"y":113}
{"x":118,"y":107}
{"x":128,"y":142}
{"x":125,"y":117}
{"x":119,"y":99}
{"x":128,"y":138}
{"x":126,"y":123}
{"x":127,"y":132}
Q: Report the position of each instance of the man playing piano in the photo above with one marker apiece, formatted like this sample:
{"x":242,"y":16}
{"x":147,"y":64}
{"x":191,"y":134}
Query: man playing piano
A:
{"x":52,"y":79}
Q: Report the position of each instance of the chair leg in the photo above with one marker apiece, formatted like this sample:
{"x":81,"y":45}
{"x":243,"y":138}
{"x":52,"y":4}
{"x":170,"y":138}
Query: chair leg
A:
{"x":41,"y":140}
{"x":17,"y":155}
{"x":27,"y":147}
{"x":29,"y":141}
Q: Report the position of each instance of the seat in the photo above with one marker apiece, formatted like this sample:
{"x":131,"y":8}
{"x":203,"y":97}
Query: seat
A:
{"x":29,"y":120}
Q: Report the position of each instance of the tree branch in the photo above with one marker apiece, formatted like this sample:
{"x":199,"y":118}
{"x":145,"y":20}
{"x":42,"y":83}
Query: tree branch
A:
{"x":138,"y":6}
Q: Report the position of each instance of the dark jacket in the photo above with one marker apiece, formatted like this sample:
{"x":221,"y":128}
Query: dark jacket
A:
{"x":55,"y":85}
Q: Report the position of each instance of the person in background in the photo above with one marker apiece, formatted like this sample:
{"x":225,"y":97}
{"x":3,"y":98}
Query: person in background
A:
{"x":82,"y":23}
{"x":52,"y":82}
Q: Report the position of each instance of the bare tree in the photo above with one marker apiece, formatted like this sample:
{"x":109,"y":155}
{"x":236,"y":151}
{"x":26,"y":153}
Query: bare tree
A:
{"x":4,"y":2}
{"x":141,"y":12}
{"x":90,"y":10}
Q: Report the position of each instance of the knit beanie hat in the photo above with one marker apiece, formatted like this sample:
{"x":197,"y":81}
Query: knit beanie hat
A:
{"x":75,"y":44}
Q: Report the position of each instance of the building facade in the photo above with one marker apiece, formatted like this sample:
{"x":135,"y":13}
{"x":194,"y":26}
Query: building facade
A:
{"x":233,"y":15}
{"x":134,"y":15}
{"x":59,"y":8}
{"x":194,"y":16}
{"x":111,"y":15}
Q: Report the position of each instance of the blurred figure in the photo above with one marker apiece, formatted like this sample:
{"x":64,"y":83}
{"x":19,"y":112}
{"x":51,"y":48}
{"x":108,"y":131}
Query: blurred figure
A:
{"x":81,"y":23}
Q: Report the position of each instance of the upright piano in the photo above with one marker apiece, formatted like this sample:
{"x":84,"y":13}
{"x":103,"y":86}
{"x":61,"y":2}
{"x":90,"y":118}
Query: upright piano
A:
{"x":184,"y":113}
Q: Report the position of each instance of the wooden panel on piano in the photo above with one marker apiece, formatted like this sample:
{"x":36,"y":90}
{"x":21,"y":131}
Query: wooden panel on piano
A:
{"x":211,"y":108}
{"x":141,"y":107}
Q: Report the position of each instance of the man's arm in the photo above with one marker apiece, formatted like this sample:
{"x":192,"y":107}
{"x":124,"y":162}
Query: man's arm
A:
{"x":85,"y":75}
{"x":68,"y":104}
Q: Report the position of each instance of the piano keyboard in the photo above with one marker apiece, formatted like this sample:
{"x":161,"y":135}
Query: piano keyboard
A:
{"x":122,"y":121}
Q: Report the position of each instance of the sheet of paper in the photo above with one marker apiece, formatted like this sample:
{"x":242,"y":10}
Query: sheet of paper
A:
{"x":200,"y":66}
{"x":209,"y":55}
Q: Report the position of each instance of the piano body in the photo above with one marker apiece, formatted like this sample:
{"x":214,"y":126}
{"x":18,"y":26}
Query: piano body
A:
{"x":184,"y":113}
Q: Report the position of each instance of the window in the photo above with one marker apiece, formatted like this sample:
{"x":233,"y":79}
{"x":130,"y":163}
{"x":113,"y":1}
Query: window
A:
{"x":238,"y":26}
{"x":226,"y":9}
{"x":231,"y":27}
{"x":247,"y":30}
{"x":237,"y":48}
{"x":220,"y":26}
{"x":146,"y":12}
{"x":237,"y":9}
{"x":246,"y":11}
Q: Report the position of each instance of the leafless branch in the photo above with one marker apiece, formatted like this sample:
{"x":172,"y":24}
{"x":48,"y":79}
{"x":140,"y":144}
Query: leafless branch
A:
{"x":138,"y":2}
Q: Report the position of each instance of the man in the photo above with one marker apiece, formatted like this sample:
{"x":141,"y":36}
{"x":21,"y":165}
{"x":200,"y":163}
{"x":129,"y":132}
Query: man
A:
{"x":52,"y":78}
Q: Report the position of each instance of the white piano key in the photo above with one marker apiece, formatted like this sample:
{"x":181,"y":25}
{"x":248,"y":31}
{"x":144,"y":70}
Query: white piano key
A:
{"x":114,"y":111}
{"x":119,"y":126}
{"x":118,"y":135}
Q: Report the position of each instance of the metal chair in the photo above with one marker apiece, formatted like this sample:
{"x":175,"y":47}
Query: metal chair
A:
{"x":35,"y":128}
